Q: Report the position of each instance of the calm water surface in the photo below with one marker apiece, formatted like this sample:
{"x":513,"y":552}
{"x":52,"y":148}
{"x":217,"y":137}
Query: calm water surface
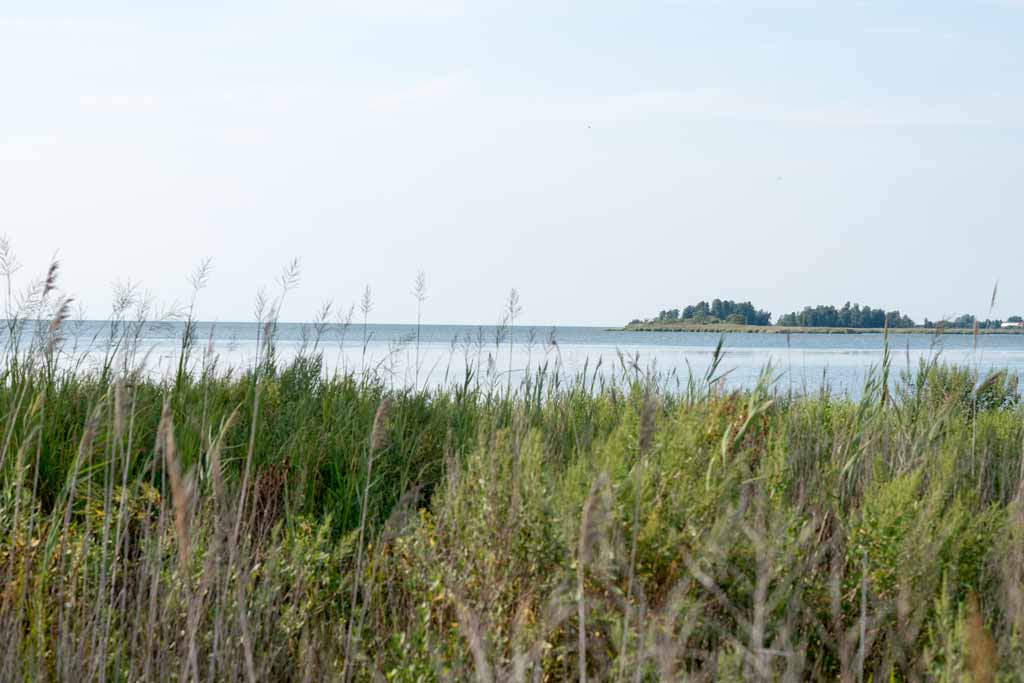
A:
{"x":444,"y":352}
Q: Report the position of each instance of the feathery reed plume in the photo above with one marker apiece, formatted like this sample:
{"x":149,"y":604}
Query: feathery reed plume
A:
{"x":181,"y":492}
{"x":365,"y":306}
{"x":512,"y":311}
{"x":53,"y":332}
{"x":419,"y":292}
{"x":8,"y":261}
{"x":289,"y":278}
{"x":50,"y":282}
{"x":320,"y":324}
{"x":378,"y":433}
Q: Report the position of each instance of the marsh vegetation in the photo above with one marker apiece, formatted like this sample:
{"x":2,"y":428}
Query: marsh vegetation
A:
{"x":286,"y":522}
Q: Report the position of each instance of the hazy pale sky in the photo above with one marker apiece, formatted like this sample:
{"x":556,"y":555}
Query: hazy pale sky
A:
{"x":606,"y":159}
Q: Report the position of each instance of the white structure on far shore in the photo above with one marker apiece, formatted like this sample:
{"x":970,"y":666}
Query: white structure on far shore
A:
{"x":1017,"y":324}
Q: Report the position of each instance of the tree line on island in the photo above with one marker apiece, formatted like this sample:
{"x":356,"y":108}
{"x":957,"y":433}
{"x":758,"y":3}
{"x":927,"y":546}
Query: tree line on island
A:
{"x":848,"y":315}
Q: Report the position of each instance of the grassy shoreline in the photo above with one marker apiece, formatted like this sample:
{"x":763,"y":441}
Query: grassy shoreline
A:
{"x":282,"y":523}
{"x":779,"y":329}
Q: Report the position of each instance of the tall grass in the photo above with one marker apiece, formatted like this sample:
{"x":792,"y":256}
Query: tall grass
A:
{"x":283,"y":522}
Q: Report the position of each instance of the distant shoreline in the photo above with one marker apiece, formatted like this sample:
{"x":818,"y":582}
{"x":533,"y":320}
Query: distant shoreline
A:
{"x":777,"y":329}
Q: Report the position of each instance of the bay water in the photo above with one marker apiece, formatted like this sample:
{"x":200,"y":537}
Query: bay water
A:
{"x":432,"y":355}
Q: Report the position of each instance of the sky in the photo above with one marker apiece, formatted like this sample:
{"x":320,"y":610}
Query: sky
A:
{"x":606,"y":159}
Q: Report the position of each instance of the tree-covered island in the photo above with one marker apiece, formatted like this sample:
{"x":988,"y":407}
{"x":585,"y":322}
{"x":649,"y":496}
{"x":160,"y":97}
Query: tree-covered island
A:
{"x":726,"y":315}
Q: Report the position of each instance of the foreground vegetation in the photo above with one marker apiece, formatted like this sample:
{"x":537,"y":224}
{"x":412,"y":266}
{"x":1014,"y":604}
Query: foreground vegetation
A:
{"x":282,"y":523}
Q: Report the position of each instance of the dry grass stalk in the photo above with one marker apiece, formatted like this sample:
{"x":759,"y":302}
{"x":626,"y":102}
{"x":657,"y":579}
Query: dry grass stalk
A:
{"x":645,"y":439}
{"x":181,"y":499}
{"x":377,"y":435}
{"x":593,"y":524}
{"x":981,"y":650}
{"x":181,"y":489}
